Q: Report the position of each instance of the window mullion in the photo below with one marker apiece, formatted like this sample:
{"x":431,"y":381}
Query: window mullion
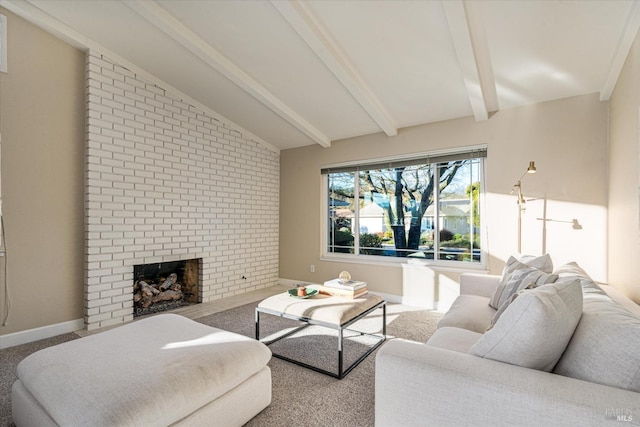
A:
{"x":356,"y":213}
{"x":436,"y":212}
{"x":472,"y":212}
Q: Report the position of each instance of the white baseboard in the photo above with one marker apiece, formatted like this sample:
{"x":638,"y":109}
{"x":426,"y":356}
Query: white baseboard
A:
{"x":392,"y":298}
{"x":30,"y":335}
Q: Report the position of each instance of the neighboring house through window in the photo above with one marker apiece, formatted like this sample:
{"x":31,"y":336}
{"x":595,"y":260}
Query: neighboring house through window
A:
{"x":426,"y":206}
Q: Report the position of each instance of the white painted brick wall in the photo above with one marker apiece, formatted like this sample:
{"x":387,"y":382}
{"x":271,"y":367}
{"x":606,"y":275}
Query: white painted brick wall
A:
{"x":167,"y":181}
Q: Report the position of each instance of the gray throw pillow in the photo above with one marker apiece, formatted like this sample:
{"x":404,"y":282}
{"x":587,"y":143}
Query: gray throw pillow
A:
{"x":511,"y":265}
{"x":517,"y":276}
{"x":523,"y":278}
{"x":542,"y":262}
{"x":535,"y":329}
{"x":504,"y":306}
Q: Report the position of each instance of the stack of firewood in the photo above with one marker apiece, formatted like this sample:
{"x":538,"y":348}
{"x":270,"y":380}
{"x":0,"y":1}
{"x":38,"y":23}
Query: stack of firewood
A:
{"x":167,"y":289}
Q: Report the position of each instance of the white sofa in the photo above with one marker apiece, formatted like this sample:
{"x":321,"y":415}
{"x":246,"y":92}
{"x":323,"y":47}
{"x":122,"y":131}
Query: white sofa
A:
{"x":444,"y":382}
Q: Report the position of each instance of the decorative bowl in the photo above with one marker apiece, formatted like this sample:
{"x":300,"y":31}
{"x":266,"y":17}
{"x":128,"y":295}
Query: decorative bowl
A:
{"x":310,"y":292}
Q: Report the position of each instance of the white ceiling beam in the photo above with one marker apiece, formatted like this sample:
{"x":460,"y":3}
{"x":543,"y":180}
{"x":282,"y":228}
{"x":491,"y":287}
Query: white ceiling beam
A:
{"x":482,"y":55}
{"x":472,"y":51}
{"x":627,"y":37}
{"x":308,"y":27}
{"x":168,"y":24}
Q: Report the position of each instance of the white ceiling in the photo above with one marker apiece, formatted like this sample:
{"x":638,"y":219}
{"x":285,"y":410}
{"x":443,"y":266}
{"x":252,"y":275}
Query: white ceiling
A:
{"x":298,"y":73}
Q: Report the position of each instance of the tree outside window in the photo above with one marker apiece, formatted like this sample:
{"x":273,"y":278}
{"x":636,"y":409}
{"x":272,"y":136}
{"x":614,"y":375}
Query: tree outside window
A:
{"x":427,"y":210}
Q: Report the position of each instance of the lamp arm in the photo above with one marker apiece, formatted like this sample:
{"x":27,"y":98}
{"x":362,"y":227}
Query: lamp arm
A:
{"x":522,"y":177}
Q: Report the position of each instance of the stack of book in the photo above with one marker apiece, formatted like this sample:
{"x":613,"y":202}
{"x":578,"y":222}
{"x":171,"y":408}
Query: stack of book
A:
{"x":349,"y":289}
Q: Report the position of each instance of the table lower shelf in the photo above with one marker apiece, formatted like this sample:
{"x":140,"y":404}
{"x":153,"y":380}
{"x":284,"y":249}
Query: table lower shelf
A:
{"x":343,"y":332}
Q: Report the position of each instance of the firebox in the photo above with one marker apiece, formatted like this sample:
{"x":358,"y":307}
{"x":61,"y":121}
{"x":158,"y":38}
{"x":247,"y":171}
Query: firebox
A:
{"x":165,"y":286}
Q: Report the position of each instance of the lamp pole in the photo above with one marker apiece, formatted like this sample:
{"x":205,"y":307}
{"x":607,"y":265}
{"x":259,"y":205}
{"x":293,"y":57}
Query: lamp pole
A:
{"x":521,"y":201}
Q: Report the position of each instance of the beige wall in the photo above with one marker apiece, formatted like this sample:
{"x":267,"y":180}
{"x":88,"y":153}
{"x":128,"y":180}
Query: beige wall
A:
{"x":624,"y":181}
{"x":42,"y":127}
{"x":567,"y":139}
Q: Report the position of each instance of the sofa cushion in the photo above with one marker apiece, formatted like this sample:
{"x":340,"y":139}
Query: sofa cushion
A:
{"x":534,"y":330}
{"x":455,"y":339}
{"x":572,"y":271}
{"x":604,"y":347}
{"x":621,"y":299}
{"x":518,"y":275}
{"x":471,"y":312}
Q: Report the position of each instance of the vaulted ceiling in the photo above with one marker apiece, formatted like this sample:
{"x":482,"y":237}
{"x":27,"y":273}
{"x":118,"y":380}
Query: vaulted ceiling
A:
{"x":296,"y":73}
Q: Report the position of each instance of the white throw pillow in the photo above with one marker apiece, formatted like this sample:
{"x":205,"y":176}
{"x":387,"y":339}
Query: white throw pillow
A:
{"x":518,"y":275}
{"x":536,"y":327}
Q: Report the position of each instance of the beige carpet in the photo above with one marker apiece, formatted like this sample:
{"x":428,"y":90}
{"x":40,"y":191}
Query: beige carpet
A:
{"x":301,"y":397}
{"x":9,"y":359}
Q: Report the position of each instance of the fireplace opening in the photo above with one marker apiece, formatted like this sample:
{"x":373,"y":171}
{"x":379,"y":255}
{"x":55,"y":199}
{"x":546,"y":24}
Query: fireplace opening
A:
{"x":165,"y":286}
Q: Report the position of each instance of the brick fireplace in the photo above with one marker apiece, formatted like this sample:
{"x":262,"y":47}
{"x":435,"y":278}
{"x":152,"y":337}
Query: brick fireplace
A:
{"x":168,"y":181}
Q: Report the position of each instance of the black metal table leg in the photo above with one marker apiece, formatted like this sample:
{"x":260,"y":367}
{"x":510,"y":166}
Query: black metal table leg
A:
{"x":340,"y":347}
{"x":257,"y":325}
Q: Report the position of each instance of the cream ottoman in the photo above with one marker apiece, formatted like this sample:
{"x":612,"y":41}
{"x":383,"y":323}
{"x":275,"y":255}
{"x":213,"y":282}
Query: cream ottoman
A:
{"x":160,"y":371}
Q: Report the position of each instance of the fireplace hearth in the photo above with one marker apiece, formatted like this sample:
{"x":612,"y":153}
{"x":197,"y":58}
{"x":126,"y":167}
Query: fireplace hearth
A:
{"x":165,"y":286}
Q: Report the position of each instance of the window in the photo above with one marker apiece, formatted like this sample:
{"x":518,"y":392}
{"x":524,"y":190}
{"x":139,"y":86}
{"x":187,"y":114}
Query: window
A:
{"x":425,"y":207}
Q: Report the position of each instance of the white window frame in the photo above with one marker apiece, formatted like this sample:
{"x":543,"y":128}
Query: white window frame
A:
{"x":398,"y":261}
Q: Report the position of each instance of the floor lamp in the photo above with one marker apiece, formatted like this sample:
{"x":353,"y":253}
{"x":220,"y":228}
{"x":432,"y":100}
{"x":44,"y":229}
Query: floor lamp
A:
{"x":521,"y":201}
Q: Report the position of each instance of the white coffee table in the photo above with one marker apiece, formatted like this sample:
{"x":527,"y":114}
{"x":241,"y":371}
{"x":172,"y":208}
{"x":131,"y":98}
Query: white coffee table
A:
{"x":327,"y":311}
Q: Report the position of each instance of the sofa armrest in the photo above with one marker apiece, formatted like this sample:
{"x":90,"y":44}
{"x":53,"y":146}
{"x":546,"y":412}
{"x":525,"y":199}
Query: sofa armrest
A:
{"x":418,"y":384}
{"x":483,"y":285}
